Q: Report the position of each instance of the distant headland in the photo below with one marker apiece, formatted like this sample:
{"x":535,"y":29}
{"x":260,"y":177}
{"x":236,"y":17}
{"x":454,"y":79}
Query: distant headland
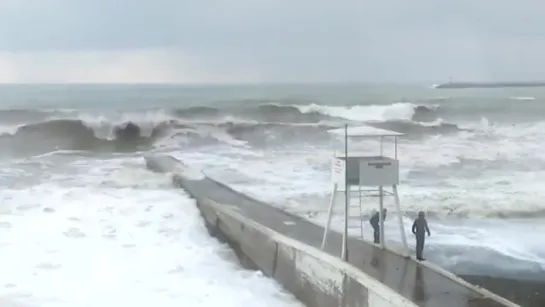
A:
{"x":462,"y":85}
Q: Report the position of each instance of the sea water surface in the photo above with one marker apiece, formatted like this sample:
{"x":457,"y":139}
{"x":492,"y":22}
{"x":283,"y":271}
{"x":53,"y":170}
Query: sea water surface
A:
{"x":79,"y":207}
{"x":83,"y":223}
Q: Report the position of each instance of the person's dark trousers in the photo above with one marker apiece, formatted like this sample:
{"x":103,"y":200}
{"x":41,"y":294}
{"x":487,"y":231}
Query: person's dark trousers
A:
{"x":376,"y":234}
{"x":420,"y":240}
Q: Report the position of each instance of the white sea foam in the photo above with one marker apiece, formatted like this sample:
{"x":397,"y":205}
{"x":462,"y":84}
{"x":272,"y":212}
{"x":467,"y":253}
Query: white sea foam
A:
{"x":298,"y":181}
{"x":299,"y":176}
{"x":396,"y":111}
{"x":493,"y":169}
{"x":114,"y":234}
{"x":523,"y":98}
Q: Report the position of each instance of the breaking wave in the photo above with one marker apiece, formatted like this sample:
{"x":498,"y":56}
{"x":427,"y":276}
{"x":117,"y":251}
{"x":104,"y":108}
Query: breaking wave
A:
{"x":523,"y":98}
{"x":76,"y":134}
{"x":401,"y":117}
{"x":417,"y":128}
{"x":314,"y":113}
{"x":39,"y":131}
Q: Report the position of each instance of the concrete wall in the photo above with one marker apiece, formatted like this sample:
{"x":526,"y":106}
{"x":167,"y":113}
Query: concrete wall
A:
{"x":317,"y":279}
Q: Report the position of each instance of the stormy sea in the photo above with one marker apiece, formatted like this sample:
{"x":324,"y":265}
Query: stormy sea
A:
{"x":82,"y":222}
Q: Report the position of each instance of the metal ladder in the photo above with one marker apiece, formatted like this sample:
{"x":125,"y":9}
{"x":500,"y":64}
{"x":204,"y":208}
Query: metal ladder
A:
{"x":355,"y":210}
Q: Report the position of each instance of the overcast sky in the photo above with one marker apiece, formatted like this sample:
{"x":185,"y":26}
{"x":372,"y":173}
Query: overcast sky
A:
{"x":49,"y":41}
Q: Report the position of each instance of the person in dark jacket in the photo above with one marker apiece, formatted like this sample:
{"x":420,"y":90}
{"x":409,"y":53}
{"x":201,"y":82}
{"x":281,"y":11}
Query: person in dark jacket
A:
{"x":420,"y":227}
{"x":375,"y":223}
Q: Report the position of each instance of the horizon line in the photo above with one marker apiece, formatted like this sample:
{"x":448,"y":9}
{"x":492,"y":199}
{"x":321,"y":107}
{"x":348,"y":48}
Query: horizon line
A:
{"x":221,"y":83}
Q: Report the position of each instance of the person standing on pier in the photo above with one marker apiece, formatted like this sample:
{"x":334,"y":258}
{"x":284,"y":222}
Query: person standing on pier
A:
{"x":375,"y":223}
{"x":420,"y":227}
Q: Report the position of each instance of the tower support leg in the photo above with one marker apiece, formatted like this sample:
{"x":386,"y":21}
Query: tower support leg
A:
{"x":360,"y":212}
{"x":400,"y":221}
{"x":381,"y":215}
{"x":329,"y":214}
{"x":344,"y":247}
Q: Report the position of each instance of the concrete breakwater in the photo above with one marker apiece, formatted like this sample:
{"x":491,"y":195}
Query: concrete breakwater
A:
{"x":286,"y":247}
{"x":462,"y":85}
{"x":316,"y":278}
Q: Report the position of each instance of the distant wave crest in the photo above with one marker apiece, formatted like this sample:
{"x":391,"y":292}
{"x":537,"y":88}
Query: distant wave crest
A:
{"x":402,"y":117}
{"x":39,"y":131}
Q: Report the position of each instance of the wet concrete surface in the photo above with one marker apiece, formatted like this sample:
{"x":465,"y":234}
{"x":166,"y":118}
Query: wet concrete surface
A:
{"x":417,"y":283}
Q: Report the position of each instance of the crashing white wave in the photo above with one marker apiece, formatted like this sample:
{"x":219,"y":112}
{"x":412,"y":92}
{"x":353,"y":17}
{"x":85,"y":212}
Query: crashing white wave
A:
{"x":523,"y":98}
{"x":396,"y":111}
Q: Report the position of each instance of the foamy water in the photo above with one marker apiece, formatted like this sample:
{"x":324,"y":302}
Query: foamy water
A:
{"x":114,"y":234}
{"x":399,"y":111}
{"x":472,"y":159}
{"x":299,"y":181}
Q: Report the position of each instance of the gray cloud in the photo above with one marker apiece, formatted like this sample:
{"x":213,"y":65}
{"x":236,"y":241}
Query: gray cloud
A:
{"x":319,"y":40}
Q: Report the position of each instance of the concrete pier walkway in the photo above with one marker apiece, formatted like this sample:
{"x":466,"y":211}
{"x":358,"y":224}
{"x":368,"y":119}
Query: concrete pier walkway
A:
{"x":416,"y":282}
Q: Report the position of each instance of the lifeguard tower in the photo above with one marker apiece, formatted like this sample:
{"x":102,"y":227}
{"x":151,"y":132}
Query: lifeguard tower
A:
{"x":363,"y":174}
